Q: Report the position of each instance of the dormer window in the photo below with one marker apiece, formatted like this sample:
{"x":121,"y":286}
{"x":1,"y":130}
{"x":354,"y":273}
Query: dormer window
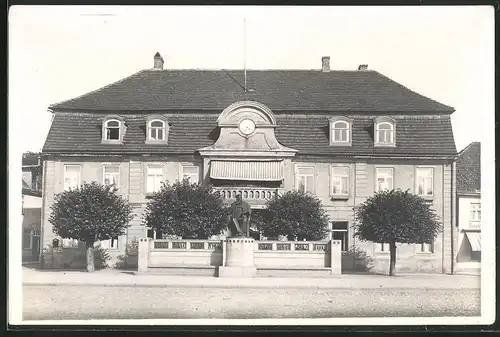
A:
{"x":113,"y":129}
{"x":385,"y":129}
{"x":340,"y":131}
{"x":156,"y":130}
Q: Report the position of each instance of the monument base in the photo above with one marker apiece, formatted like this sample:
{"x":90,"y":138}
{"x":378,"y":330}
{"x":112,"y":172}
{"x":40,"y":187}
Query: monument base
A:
{"x":236,"y":271}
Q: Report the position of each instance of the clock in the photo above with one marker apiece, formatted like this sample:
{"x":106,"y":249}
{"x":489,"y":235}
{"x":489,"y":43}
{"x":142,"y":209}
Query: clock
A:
{"x":247,"y":126}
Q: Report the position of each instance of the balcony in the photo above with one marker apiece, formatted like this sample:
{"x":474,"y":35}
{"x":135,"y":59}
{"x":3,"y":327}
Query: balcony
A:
{"x":255,"y":196}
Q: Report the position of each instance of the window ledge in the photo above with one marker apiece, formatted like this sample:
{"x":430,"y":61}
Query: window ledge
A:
{"x":110,"y":141}
{"x":385,"y":145}
{"x":426,"y":197}
{"x":155,"y":142}
{"x":339,"y":197}
{"x":341,"y":144}
{"x":149,"y":195}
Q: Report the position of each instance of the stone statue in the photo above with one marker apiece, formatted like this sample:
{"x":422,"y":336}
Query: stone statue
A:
{"x":240,"y":218}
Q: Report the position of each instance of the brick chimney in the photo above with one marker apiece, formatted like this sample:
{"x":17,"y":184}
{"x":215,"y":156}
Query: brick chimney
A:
{"x":158,"y":62}
{"x":325,"y":63}
{"x":363,"y":67}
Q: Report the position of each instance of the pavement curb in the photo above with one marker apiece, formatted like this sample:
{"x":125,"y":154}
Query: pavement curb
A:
{"x":244,"y":286}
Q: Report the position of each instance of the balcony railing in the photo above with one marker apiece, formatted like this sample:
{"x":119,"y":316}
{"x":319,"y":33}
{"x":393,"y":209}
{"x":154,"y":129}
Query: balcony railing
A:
{"x":249,"y":193}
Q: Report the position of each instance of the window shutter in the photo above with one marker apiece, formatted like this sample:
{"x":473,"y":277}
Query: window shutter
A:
{"x":100,"y":175}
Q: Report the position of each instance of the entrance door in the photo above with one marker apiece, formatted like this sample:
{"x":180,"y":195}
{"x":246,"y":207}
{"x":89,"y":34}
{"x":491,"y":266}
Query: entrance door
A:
{"x":35,"y":245}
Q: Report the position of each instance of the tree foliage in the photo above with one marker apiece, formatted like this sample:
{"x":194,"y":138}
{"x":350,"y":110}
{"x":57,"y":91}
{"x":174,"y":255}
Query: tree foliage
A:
{"x":90,"y":213}
{"x":296,"y":215}
{"x":188,"y":210}
{"x":396,"y":217}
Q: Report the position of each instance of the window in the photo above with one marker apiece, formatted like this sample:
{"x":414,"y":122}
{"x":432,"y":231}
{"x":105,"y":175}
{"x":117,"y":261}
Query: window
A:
{"x":340,"y":181}
{"x":27,"y":239}
{"x":110,"y":244}
{"x":154,"y":179}
{"x":112,"y":129}
{"x":154,"y":234}
{"x":156,"y":129}
{"x":69,"y":243}
{"x":340,"y":132}
{"x":426,"y":248}
{"x":72,"y":177}
{"x":111,"y":175}
{"x":383,"y":247}
{"x":305,"y":179}
{"x":475,"y":211}
{"x":190,"y":172}
{"x":384,"y":132}
{"x":339,"y":232}
{"x":425,"y":178}
{"x":385,"y":180}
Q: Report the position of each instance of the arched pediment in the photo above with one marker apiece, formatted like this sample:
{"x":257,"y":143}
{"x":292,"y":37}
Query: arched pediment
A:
{"x":238,"y":111}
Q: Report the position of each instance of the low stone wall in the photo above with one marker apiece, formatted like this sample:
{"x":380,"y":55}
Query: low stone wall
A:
{"x":278,"y":255}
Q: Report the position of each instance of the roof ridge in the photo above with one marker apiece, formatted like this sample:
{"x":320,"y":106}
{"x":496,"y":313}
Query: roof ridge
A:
{"x":467,"y":147}
{"x":414,"y":92}
{"x":53,"y":105}
{"x":269,"y":69}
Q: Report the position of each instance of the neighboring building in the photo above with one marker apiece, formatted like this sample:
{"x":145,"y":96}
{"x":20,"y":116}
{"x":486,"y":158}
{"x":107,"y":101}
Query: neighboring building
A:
{"x":338,"y":134}
{"x":32,"y":206}
{"x":469,"y":208}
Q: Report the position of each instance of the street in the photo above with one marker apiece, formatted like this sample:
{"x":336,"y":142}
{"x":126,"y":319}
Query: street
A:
{"x":77,"y":302}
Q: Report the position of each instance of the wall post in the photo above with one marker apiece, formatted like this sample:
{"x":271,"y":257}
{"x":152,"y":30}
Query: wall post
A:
{"x":335,"y":257}
{"x":143,"y":255}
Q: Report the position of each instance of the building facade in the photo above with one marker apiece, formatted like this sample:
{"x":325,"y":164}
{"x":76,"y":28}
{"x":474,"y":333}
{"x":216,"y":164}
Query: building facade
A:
{"x":341,"y":135}
{"x":32,"y":206}
{"x":469,"y":208}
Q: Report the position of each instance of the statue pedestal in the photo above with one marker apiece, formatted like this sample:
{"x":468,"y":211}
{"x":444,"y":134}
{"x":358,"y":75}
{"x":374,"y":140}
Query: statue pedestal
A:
{"x":239,"y":258}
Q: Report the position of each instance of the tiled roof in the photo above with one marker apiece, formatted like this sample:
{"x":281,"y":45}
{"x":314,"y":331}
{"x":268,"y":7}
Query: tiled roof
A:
{"x":469,"y":169}
{"x":415,"y":135}
{"x":307,"y":90}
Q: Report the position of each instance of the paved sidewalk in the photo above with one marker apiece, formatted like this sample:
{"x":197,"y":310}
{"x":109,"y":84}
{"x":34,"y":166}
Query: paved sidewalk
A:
{"x":115,"y":278}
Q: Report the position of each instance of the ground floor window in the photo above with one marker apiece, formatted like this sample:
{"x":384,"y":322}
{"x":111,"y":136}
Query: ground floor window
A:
{"x":382,"y":247}
{"x":27,"y":239}
{"x":110,"y":244}
{"x":426,"y":247}
{"x":154,"y":234}
{"x":340,"y":232}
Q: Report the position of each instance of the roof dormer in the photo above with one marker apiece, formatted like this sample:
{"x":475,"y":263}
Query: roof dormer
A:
{"x":384,"y":131}
{"x":340,"y":131}
{"x":157,"y":129}
{"x":113,"y":129}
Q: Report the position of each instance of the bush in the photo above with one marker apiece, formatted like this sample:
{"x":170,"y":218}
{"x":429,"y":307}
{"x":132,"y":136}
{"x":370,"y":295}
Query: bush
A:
{"x":90,"y":213}
{"x":131,"y":250}
{"x":296,"y":215}
{"x":187,"y":210}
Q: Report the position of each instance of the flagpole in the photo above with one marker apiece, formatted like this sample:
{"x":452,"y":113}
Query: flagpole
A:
{"x":245,"y":51}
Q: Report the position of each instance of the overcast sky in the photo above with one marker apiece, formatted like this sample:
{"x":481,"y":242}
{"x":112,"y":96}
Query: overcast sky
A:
{"x":57,"y":53}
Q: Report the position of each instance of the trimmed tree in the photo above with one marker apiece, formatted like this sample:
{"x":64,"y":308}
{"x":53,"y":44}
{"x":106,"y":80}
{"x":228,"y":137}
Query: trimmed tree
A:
{"x":396,"y":217}
{"x":188,"y":210}
{"x":296,"y":215}
{"x":90,"y":213}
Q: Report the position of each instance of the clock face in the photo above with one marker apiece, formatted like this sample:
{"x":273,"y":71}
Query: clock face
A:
{"x":247,"y":126}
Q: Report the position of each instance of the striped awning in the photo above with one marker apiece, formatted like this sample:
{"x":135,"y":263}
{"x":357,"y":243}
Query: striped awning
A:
{"x":475,"y":241}
{"x":247,"y":170}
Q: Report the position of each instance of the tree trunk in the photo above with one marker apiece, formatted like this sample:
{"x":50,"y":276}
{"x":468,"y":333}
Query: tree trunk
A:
{"x":392,"y":266}
{"x":90,"y":258}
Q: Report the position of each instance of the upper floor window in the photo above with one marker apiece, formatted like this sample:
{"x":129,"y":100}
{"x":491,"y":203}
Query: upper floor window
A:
{"x":425,"y":184}
{"x":340,"y":131}
{"x":191,"y":172}
{"x":154,"y":178}
{"x":385,"y":129}
{"x":112,"y":129}
{"x":385,"y":179}
{"x":305,"y":179}
{"x":156,"y":130}
{"x":475,"y":211}
{"x":111,"y":175}
{"x":72,"y":177}
{"x":340,"y":181}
